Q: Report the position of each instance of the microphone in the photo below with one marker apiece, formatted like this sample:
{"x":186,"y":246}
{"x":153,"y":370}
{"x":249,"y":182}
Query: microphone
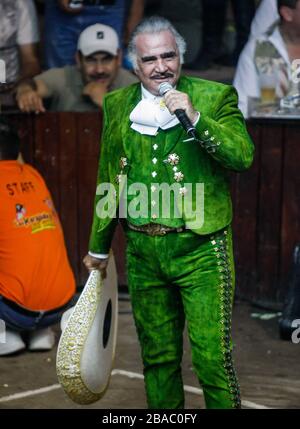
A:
{"x":179,"y":113}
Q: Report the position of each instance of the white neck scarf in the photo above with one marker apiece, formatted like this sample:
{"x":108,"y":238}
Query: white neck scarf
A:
{"x":150,"y":114}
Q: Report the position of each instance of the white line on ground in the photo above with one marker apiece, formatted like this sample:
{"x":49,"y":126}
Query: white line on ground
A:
{"x":128,"y":374}
{"x":189,"y":389}
{"x":30,"y":393}
{"x":250,"y":404}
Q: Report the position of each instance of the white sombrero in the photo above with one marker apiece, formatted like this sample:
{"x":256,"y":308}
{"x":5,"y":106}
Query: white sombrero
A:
{"x":87,"y":345}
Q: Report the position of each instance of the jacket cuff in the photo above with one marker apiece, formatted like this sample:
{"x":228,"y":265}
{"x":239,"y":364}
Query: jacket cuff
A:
{"x":98,"y":255}
{"x":206,"y":139}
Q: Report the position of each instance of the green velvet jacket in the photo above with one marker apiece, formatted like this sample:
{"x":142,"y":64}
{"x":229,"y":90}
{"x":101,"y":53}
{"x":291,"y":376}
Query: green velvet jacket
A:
{"x":224,"y":145}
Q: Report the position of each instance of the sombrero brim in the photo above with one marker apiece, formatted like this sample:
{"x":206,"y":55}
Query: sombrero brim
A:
{"x":87,"y":345}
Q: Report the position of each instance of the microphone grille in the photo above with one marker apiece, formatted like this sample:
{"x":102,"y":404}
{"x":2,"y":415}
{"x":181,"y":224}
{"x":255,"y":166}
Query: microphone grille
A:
{"x":164,"y":87}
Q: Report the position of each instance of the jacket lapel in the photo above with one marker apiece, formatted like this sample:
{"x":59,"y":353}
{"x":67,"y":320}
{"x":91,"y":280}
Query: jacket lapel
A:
{"x":128,"y":134}
{"x":173,"y":135}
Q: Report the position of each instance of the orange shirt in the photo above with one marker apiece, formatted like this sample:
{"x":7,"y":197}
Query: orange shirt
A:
{"x":34,"y":268}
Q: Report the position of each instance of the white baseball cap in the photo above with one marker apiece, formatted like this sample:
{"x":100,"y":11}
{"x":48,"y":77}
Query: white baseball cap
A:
{"x":98,"y":37}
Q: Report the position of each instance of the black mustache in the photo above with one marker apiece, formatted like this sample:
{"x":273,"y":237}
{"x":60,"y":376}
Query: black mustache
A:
{"x":162,"y":75}
{"x":99,"y":76}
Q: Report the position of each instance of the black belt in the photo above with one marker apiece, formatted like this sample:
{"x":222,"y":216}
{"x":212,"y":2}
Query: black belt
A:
{"x":154,"y":229}
{"x":32,"y":313}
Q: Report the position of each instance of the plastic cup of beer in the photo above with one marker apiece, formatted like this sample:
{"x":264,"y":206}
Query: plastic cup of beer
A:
{"x":267,"y":84}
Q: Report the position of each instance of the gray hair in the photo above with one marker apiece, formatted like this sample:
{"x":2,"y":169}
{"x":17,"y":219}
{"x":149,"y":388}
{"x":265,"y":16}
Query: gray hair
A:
{"x":154,"y":24}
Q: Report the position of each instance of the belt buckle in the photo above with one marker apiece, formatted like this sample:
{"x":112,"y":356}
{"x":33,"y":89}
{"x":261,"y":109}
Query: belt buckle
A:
{"x":156,"y":229}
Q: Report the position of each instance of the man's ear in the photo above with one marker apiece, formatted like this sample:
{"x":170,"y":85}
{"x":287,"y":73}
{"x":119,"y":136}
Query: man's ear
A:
{"x":286,"y":13}
{"x":136,"y":71}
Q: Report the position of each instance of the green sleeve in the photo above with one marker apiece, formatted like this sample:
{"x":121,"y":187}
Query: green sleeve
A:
{"x":102,"y":228}
{"x":224,"y":135}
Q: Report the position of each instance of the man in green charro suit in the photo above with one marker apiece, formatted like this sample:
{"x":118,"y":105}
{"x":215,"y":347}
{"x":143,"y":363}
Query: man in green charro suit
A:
{"x":173,"y":195}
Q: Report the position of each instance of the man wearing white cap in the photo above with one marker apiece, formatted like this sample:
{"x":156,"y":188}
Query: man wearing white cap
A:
{"x":80,"y":87}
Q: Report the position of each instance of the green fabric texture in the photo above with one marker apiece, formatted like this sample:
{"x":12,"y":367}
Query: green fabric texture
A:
{"x":181,"y":275}
{"x":164,"y":175}
{"x":225,"y":146}
{"x":184,"y":273}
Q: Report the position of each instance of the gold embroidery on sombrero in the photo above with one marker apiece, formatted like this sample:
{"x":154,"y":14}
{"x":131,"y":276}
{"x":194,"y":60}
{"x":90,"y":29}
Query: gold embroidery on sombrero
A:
{"x":71,"y":345}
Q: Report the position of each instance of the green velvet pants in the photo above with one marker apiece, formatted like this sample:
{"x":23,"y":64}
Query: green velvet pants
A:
{"x":178,"y":277}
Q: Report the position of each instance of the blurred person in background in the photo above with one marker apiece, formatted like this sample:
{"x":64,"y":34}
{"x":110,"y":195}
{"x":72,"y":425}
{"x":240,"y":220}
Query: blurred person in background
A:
{"x":272,"y":54}
{"x":265,"y":16}
{"x":214,"y":14}
{"x":36,"y":280}
{"x":64,"y":23}
{"x":19,"y":37}
{"x":82,"y":87}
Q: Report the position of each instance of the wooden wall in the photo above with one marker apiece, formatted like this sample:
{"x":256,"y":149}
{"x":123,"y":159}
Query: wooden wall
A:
{"x":64,"y":147}
{"x":267,"y":211}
